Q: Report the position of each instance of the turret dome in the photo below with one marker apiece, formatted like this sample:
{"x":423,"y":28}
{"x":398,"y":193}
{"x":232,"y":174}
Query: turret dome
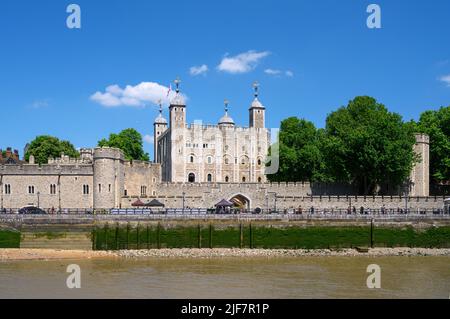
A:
{"x":226,"y":119}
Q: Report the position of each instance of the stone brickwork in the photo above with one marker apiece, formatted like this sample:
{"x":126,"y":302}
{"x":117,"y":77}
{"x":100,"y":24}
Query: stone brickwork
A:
{"x":24,"y":182}
{"x":420,"y":175}
{"x":141,"y":180}
{"x":279,"y":196}
{"x":211,"y":153}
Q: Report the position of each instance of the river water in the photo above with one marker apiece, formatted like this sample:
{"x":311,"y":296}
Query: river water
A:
{"x":305,"y":277}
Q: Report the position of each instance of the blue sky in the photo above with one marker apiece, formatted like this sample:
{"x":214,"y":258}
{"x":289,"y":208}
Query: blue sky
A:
{"x":310,"y":57}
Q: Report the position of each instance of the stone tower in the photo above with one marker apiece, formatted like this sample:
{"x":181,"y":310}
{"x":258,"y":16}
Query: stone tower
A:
{"x":177,"y":109}
{"x":420,"y":175}
{"x":109,"y":177}
{"x":257,"y":111}
{"x":159,"y":127}
{"x":176,"y":150}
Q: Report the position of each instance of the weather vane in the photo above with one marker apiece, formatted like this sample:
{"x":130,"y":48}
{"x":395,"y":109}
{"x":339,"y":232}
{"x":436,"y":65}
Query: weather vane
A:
{"x":160,"y":106}
{"x":255,"y":86}
{"x":226,"y":102}
{"x":177,"y":83}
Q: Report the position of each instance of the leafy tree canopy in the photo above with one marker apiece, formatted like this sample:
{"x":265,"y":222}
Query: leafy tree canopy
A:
{"x":43,"y":147}
{"x":129,"y":141}
{"x":367,"y":145}
{"x":299,"y":150}
{"x":437,"y":125}
{"x":362,"y":143}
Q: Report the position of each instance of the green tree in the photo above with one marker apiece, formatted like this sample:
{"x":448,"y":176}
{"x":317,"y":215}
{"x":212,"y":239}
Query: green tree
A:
{"x":129,"y":141}
{"x":368,"y":146}
{"x":300,"y":157}
{"x":437,"y":125}
{"x":43,"y":147}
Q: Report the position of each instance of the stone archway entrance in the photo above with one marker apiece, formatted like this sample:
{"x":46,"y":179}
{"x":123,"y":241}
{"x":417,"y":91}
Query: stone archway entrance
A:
{"x":240,"y":201}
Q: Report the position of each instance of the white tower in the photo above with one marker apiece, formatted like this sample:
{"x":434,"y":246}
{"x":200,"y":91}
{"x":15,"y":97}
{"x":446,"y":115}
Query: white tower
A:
{"x":159,"y":127}
{"x":257,"y":110}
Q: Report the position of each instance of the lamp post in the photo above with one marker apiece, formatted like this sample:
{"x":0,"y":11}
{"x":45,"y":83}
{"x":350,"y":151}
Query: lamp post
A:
{"x":407,"y":186}
{"x":183,"y":201}
{"x":275,"y":205}
{"x":38,"y":193}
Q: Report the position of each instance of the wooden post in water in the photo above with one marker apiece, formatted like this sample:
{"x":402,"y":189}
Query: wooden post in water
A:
{"x":117,"y":236}
{"x":94,"y":244}
{"x":148,"y":238}
{"x":105,"y":229}
{"x":210,"y":236}
{"x":371,"y":233}
{"x":137,"y":236}
{"x":251,"y":236}
{"x":199,"y":232}
{"x":241,"y":236}
{"x":128,"y":235}
{"x":158,"y":236}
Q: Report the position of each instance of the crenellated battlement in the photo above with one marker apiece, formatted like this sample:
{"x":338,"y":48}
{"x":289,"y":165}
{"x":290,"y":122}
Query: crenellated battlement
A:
{"x":422,"y":138}
{"x":141,"y":164}
{"x":47,"y":169}
{"x":108,"y":153}
{"x":66,"y":160}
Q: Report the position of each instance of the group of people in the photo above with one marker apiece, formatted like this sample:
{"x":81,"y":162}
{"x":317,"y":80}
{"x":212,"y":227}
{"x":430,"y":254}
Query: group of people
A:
{"x":351,"y":210}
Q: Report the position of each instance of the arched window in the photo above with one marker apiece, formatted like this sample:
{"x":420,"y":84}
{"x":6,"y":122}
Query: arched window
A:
{"x":191,"y":159}
{"x":227,"y":179}
{"x":259,"y":161}
{"x":191,"y":178}
{"x":209,"y":178}
{"x":209,"y":159}
{"x":259,"y":180}
{"x":243,"y":179}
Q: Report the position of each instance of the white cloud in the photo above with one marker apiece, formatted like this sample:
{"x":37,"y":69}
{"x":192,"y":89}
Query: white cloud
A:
{"x":241,"y":63}
{"x":276,"y":72}
{"x":137,"y":96}
{"x":445,"y":79}
{"x":149,"y":139}
{"x":37,"y":104}
{"x":289,"y":73}
{"x":272,"y":72}
{"x":197,"y":70}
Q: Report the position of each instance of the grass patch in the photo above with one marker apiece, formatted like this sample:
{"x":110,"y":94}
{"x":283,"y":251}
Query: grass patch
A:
{"x":9,"y":239}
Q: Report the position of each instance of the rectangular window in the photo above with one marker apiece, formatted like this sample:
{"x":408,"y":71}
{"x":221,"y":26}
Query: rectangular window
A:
{"x":99,"y":188}
{"x":143,"y":190}
{"x":85,"y":189}
{"x":109,"y":188}
{"x":125,"y":193}
{"x":52,"y":189}
{"x":7,"y":188}
{"x":30,"y":189}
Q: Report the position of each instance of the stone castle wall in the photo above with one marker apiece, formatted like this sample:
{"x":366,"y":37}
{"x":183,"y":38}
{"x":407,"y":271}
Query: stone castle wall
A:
{"x":108,"y":177}
{"x":420,"y":175}
{"x":68,"y":179}
{"x":279,"y":195}
{"x":137,"y":176}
